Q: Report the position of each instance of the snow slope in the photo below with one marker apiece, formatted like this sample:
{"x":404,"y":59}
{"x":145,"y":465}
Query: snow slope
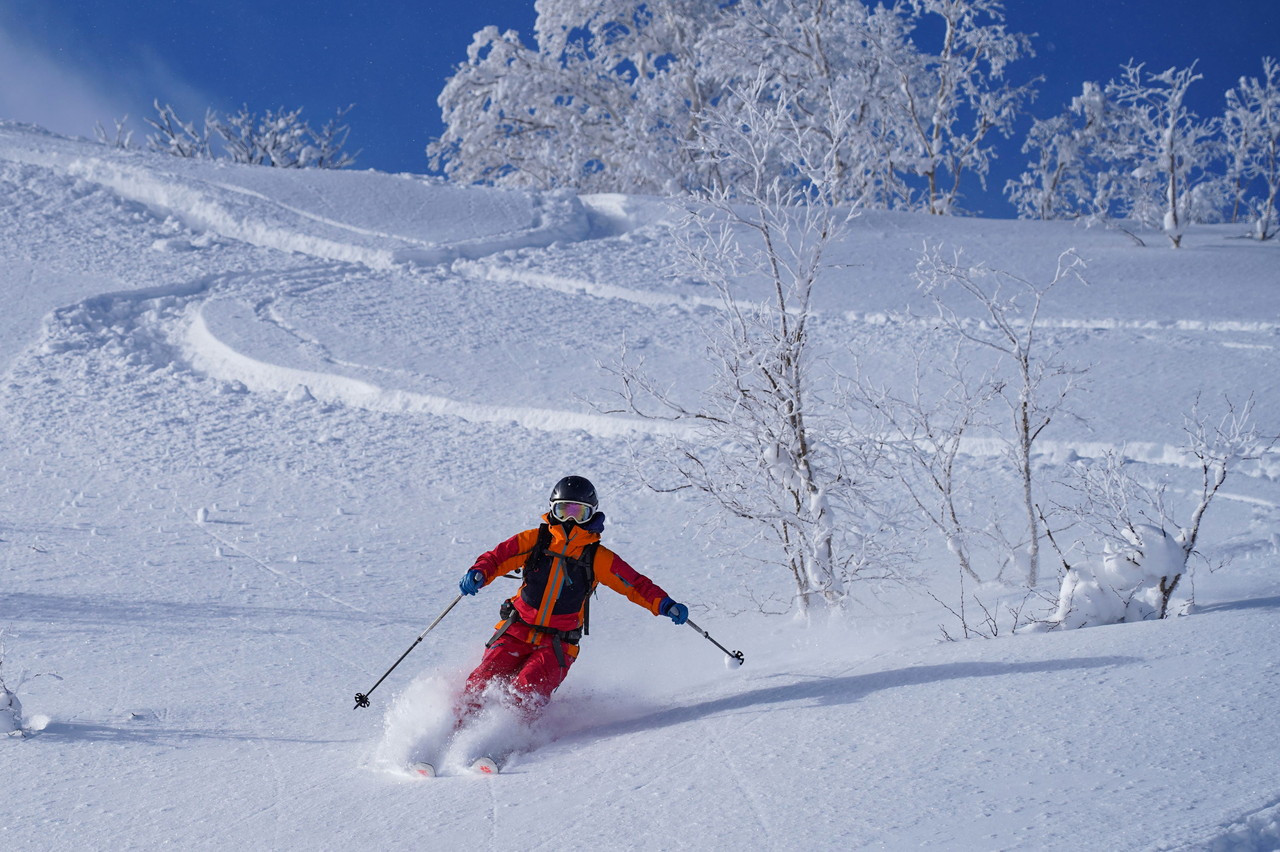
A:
{"x":257,"y":423}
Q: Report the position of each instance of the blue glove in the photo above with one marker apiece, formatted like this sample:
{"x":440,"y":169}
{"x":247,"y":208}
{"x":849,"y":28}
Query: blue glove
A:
{"x":677,"y":612}
{"x":472,"y":582}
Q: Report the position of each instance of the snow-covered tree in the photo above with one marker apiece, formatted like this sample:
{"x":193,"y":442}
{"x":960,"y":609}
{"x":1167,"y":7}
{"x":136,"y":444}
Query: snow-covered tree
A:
{"x":1251,"y":128}
{"x":1063,"y":183}
{"x":604,"y":99}
{"x":820,"y":56}
{"x":767,"y":444}
{"x":950,"y":99}
{"x":1038,"y":384}
{"x":610,"y":94}
{"x":1129,"y":150}
{"x":1165,"y":144}
{"x":924,"y":432}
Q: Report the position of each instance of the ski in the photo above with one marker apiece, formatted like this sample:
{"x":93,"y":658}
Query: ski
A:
{"x":484,"y":766}
{"x":422,"y":769}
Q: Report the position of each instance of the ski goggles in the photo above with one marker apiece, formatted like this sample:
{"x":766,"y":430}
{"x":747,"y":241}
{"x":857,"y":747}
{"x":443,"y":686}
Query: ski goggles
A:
{"x":567,"y":510}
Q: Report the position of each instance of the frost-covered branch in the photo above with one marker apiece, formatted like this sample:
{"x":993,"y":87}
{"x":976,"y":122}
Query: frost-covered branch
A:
{"x":924,"y":435}
{"x":1040,"y":384}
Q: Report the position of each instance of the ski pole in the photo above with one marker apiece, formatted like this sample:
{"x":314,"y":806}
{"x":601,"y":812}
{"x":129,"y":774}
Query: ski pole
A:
{"x":362,"y":698}
{"x":733,"y":655}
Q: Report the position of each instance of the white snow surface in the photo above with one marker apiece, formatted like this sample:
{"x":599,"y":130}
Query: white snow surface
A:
{"x":257,"y":423}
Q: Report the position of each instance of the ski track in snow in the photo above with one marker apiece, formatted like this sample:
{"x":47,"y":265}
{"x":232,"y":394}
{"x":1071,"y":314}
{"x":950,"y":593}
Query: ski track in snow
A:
{"x":358,"y":384}
{"x":307,"y":589}
{"x":240,"y":213}
{"x":1256,"y":830}
{"x":495,"y":271}
{"x":235,"y":212}
{"x":751,"y":793}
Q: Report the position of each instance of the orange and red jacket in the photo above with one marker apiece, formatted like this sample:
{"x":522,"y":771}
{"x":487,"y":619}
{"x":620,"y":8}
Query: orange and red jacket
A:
{"x":566,"y":541}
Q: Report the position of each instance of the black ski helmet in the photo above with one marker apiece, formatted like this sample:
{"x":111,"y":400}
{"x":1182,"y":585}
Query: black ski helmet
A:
{"x":577,"y":489}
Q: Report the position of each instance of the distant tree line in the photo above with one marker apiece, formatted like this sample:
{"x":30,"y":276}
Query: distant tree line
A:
{"x":1132,"y":150}
{"x":615,"y":95}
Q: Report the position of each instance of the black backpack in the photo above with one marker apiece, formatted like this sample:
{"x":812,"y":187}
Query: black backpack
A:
{"x":535,"y":574}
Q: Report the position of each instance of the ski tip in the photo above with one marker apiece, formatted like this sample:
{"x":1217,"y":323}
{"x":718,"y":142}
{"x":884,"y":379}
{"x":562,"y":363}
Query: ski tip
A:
{"x":484,"y":766}
{"x":422,"y":769}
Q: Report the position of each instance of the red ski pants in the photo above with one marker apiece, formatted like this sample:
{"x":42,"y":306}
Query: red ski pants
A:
{"x":530,"y":672}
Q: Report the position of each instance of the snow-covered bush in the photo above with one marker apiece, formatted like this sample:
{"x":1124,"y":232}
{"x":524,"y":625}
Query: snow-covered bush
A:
{"x":278,"y":138}
{"x":177,"y":137}
{"x":282,"y":139}
{"x":1131,"y":583}
{"x":1142,"y":563}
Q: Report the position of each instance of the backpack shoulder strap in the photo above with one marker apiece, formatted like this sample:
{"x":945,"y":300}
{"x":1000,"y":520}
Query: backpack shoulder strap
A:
{"x":539,"y":549}
{"x":589,"y":557}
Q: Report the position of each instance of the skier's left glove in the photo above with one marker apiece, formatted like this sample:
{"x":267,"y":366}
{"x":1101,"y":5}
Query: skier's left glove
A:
{"x":677,"y":612}
{"x":472,"y":582}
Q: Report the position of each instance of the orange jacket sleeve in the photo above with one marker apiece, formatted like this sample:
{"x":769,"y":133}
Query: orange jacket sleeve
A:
{"x":506,"y":557}
{"x":614,"y":572}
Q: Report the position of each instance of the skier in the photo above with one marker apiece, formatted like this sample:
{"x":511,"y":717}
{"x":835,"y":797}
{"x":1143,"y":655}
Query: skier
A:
{"x":536,"y":640}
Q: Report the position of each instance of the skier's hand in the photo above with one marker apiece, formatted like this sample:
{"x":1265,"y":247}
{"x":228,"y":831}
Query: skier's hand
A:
{"x":677,"y":612}
{"x":474,"y":582}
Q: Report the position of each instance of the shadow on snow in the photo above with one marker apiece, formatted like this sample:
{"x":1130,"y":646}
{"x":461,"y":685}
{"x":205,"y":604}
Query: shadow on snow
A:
{"x":833,"y":691}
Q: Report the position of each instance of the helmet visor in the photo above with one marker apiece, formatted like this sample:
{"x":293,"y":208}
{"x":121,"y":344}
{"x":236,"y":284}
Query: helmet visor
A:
{"x":567,"y":510}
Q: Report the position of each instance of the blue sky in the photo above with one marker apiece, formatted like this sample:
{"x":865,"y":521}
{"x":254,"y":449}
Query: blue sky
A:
{"x":68,"y":64}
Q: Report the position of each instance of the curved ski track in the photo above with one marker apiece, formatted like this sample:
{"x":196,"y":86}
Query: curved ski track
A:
{"x":341,"y":247}
{"x":176,"y":318}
